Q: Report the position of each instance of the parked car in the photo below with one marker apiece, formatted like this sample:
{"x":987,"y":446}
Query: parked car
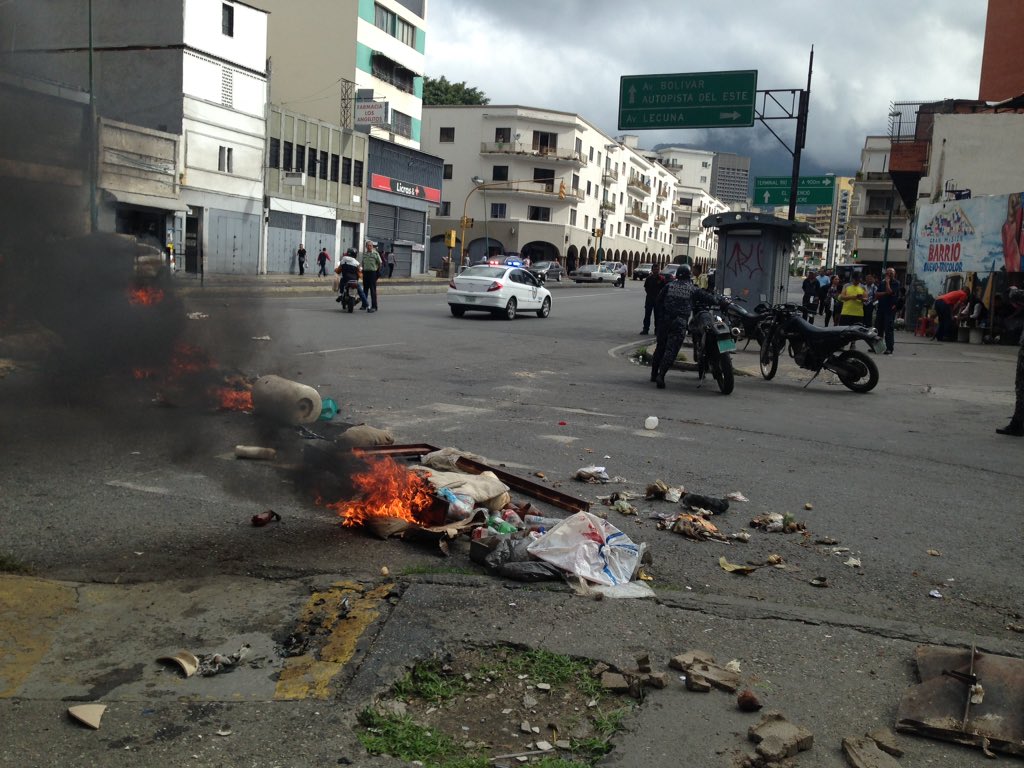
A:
{"x":594,"y":273}
{"x":502,"y":290}
{"x":642,"y":271}
{"x":613,"y":266}
{"x":547,"y":270}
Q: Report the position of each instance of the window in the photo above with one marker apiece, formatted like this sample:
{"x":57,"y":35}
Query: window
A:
{"x":704,"y":164}
{"x":227,"y":20}
{"x":447,"y":135}
{"x":405,"y":32}
{"x":703,"y":178}
{"x":572,"y":218}
{"x":500,"y":173}
{"x":546,"y":176}
{"x":575,"y":181}
{"x":390,"y":71}
{"x":311,"y":163}
{"x":357,"y":173}
{"x":579,"y":147}
{"x":300,"y":158}
{"x":225,"y":159}
{"x":545,"y":142}
{"x":446,"y":171}
{"x":274,"y":154}
{"x":445,"y":209}
{"x":499,"y":211}
{"x":287,"y":164}
{"x":503,"y":135}
{"x":335,"y":162}
{"x":323,"y":165}
{"x":384,"y":19}
{"x":401,"y":123}
{"x":586,"y":222}
{"x":346,"y":170}
{"x":591,"y":155}
{"x":588,"y":187}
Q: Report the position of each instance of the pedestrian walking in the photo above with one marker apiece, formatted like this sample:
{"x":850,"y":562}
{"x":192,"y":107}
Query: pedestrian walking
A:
{"x":946,"y":306}
{"x":1016,"y":425}
{"x":321,"y":261}
{"x":887,"y":295}
{"x":370,"y":261}
{"x":652,"y":287}
{"x":389,"y":259}
{"x":301,"y":253}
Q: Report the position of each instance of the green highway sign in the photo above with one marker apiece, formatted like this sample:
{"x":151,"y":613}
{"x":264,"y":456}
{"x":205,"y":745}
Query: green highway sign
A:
{"x":695,"y":100}
{"x":810,"y":190}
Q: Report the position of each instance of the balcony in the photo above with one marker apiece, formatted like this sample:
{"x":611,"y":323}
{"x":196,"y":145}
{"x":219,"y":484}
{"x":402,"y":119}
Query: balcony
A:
{"x":682,"y":204}
{"x":638,"y":186}
{"x":546,"y":190}
{"x":637,"y":215}
{"x":608,"y":206}
{"x":609,"y":176}
{"x":663,"y":194}
{"x":660,"y":218}
{"x":548,"y":154}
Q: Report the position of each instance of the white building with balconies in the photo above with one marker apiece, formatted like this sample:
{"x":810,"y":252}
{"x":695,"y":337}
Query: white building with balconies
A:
{"x":878,"y":221}
{"x":546,"y":184}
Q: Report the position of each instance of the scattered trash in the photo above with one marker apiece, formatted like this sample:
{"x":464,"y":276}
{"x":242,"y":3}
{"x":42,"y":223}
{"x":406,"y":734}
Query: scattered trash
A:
{"x":701,"y":671}
{"x":591,"y":547}
{"x":733,"y":666}
{"x":224,"y":731}
{"x":1015,"y":627}
{"x":736,"y":496}
{"x":747,"y":701}
{"x":695,"y":527}
{"x":255,"y":452}
{"x":215,"y":663}
{"x":672,"y":495}
{"x":853,"y":562}
{"x":651,"y":422}
{"x":826,"y":540}
{"x":265,"y":518}
{"x":385,"y":571}
{"x":261,"y":338}
{"x":186,"y":661}
{"x":936,"y":594}
{"x":541,"y":475}
{"x":328,"y":409}
{"x":808,"y":506}
{"x":777,"y":738}
{"x":743,"y":536}
{"x":774,"y":560}
{"x":88,"y":714}
{"x":773,"y":522}
{"x":592,"y":474}
{"x":447,"y":459}
{"x":365,"y":436}
{"x":285,"y":401}
{"x":742,"y":570}
{"x":862,"y":752}
{"x":656,"y":490}
{"x":819,"y":581}
{"x":697,"y":501}
{"x":624,"y":507}
{"x":197,"y":315}
{"x":934,"y":553}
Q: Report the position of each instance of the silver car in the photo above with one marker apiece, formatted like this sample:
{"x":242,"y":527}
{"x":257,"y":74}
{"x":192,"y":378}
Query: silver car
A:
{"x":594,"y":273}
{"x":501,"y":290}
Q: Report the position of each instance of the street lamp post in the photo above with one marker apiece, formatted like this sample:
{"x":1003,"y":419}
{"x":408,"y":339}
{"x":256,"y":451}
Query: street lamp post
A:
{"x":608,"y":148}
{"x":480,"y":184}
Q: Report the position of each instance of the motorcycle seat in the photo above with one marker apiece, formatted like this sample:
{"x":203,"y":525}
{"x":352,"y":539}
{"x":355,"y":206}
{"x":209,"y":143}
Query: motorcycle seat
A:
{"x":807,"y":327}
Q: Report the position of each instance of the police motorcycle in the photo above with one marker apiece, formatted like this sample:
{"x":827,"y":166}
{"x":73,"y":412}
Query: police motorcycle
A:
{"x":714,"y":341}
{"x":747,"y":324}
{"x":816,"y":349}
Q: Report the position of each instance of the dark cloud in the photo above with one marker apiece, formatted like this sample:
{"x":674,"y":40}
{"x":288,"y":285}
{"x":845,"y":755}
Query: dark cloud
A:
{"x":569,"y":56}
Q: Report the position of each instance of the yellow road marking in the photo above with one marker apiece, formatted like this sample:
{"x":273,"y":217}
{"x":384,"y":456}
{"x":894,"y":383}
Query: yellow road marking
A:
{"x":310,"y":675}
{"x":30,"y":610}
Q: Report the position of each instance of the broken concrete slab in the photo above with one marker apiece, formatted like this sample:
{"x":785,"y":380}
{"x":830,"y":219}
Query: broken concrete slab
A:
{"x":886,"y":741}
{"x":684,"y":661}
{"x":722,"y":679}
{"x":697,"y":683}
{"x":614,"y":682}
{"x":654,"y":679}
{"x":777,"y":738}
{"x":862,"y":752}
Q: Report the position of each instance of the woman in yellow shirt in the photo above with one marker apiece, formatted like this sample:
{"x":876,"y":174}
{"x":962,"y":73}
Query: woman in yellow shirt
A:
{"x":853,"y":297}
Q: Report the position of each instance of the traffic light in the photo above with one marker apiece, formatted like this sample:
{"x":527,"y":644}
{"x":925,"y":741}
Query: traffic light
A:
{"x":854,"y":254}
{"x":449,"y":238}
{"x":594,"y":232}
{"x":467,"y":222}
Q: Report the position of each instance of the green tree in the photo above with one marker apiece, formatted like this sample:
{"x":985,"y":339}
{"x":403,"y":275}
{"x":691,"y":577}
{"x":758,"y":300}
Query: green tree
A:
{"x":440,"y":91}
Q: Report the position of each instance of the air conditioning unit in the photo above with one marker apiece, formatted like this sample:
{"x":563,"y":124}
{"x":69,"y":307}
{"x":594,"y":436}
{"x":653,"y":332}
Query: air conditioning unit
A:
{"x":294,"y":179}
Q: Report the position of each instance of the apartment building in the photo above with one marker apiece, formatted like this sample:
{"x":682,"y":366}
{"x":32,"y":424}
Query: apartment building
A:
{"x":730,"y":180}
{"x":546,"y":184}
{"x":879,"y":221}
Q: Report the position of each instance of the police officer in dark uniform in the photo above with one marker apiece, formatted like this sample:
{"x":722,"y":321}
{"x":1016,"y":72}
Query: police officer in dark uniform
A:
{"x":675,"y":303}
{"x":1016,"y":425}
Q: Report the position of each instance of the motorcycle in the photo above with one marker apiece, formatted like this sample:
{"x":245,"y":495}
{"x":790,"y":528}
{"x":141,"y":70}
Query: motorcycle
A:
{"x":815,"y":349}
{"x":713,"y":344}
{"x":746,"y":324}
{"x":349,"y":295}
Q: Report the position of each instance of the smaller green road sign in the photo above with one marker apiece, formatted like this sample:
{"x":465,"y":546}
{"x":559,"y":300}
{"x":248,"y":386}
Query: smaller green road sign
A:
{"x":695,"y":100}
{"x":810,"y":190}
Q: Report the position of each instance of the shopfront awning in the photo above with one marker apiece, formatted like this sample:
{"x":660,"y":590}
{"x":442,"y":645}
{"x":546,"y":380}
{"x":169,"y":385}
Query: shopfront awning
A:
{"x":159,"y":202}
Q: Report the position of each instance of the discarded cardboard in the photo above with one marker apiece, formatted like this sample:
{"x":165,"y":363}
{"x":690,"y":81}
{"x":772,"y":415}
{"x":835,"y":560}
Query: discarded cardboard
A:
{"x":862,"y":752}
{"x":88,"y":714}
{"x":940,"y":706}
{"x":777,"y":738}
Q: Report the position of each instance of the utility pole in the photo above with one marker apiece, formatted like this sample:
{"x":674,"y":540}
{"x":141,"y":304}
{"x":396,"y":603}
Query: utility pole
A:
{"x":93,"y":134}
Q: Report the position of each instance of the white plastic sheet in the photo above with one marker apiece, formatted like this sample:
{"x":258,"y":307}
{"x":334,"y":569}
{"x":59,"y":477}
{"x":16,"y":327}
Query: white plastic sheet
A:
{"x":590,"y":547}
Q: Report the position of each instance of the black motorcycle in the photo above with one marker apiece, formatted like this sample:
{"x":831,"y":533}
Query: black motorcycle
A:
{"x":349,"y":294}
{"x":814,"y":348}
{"x":713,"y":344}
{"x":746,"y":324}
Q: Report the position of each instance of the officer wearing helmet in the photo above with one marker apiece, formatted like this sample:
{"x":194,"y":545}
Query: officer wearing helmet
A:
{"x":674,"y":306}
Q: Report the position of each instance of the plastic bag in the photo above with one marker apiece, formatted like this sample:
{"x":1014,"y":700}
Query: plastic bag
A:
{"x":592,"y":474}
{"x":590,"y":547}
{"x":460,"y":506}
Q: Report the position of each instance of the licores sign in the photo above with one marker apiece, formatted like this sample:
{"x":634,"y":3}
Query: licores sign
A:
{"x":371,"y":112}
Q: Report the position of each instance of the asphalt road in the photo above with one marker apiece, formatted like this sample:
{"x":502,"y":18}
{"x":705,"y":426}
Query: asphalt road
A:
{"x":115,"y":490}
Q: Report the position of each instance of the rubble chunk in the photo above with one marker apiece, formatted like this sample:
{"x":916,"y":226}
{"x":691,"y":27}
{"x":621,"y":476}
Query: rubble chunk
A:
{"x":643,"y":663}
{"x":697,"y":683}
{"x":777,"y":738}
{"x":655,"y":679}
{"x":614,"y":682}
{"x":684,"y":661}
{"x":863,"y":752}
{"x":886,"y":741}
{"x":722,"y":679}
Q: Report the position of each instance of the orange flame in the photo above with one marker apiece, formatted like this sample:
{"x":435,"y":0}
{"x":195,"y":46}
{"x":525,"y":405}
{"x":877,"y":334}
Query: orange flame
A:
{"x":233,"y":399}
{"x":387,"y":490}
{"x":188,"y":359}
{"x":145,"y":296}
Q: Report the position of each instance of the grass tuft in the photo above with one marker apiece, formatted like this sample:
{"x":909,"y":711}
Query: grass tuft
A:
{"x":426,"y":681}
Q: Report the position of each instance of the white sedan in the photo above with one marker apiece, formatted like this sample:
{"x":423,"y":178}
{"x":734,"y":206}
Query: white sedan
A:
{"x":501,"y":290}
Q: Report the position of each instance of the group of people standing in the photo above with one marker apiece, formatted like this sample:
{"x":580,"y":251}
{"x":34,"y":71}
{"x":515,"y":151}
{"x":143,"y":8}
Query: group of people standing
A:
{"x":370,"y":264}
{"x":864,"y":301}
{"x":387,"y":267}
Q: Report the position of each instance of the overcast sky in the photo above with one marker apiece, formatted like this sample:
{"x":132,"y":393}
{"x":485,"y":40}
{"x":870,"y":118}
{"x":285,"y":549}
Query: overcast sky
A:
{"x":569,"y":55}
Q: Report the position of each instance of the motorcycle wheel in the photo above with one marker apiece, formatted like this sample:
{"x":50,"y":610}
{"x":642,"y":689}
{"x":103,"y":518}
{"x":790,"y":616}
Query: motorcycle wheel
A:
{"x":769,"y":359}
{"x":867,"y":372}
{"x":721,"y":367}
